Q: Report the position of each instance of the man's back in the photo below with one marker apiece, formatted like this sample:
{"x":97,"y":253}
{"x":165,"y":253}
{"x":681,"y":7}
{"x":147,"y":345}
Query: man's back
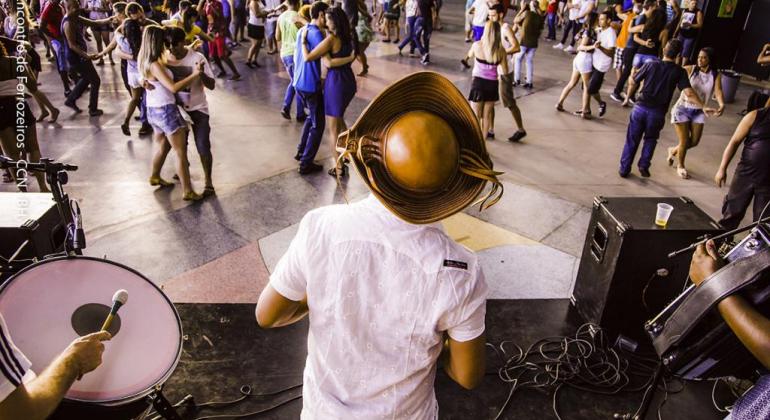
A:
{"x":661,"y":78}
{"x":381,"y":292}
{"x":307,"y":74}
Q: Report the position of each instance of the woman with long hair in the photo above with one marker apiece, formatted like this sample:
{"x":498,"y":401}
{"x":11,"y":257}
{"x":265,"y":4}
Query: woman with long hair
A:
{"x":582,"y":66}
{"x":169,"y":127}
{"x":488,"y":53}
{"x":688,"y":118}
{"x":651,"y":40}
{"x":337,"y":53}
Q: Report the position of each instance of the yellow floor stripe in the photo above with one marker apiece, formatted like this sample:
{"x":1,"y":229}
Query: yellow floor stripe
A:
{"x":477,"y":234}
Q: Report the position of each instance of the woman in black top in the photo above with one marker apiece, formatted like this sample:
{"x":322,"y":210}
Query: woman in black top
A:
{"x":752,"y":175}
{"x":653,"y":36}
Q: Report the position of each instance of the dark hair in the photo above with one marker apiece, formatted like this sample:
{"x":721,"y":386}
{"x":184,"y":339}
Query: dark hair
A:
{"x":294,"y":4}
{"x":648,"y":4}
{"x":317,"y":8}
{"x":710,"y":54}
{"x":174,"y":35}
{"x":589,"y":26}
{"x":497,"y":7}
{"x":673,"y":49}
{"x":189,"y":17}
{"x":132,"y":30}
{"x":341,"y":24}
{"x":655,"y":23}
{"x":119,"y":6}
{"x":184,"y":5}
{"x":607,"y":14}
{"x":133,"y":8}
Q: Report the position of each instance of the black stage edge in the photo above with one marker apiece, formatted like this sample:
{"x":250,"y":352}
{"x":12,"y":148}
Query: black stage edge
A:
{"x":225,"y":349}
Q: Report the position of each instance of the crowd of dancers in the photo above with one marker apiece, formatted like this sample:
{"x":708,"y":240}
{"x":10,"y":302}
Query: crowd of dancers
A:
{"x":168,"y":52}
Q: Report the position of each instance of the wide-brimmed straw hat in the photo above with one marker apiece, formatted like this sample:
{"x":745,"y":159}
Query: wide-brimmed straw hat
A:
{"x":419,"y":148}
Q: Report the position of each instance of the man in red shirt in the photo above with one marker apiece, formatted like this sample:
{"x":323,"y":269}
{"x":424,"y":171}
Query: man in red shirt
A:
{"x":50,"y":25}
{"x":218,"y":31}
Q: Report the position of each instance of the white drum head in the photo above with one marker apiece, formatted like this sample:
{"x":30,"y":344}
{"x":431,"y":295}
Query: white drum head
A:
{"x":38,"y":306}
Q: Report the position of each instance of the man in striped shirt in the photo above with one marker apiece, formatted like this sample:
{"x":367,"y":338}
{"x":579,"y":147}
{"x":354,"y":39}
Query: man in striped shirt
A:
{"x":24,"y":395}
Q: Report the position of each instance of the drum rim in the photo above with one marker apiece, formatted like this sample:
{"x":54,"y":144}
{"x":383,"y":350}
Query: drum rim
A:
{"x":169,"y":371}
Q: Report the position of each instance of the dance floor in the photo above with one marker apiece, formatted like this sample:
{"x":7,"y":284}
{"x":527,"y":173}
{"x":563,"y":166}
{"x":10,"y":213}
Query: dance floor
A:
{"x":214,"y":257}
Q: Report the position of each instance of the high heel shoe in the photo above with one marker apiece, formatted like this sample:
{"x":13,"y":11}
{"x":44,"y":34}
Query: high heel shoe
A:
{"x":160,"y":182}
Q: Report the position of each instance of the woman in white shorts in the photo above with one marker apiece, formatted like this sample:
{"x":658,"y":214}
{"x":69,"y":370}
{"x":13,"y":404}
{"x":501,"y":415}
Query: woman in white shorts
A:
{"x":582,"y":65}
{"x":688,"y":118}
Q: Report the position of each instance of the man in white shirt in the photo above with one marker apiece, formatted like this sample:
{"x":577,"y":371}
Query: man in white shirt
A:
{"x":24,"y":395}
{"x":182,"y":61}
{"x":604,"y":51}
{"x":572,"y":24}
{"x":479,"y":10}
{"x":387,"y":290}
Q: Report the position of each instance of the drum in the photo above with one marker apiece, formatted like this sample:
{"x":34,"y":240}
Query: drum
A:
{"x":49,"y":304}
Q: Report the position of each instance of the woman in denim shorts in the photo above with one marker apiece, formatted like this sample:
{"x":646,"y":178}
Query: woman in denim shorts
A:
{"x":688,"y":118}
{"x":168,"y":125}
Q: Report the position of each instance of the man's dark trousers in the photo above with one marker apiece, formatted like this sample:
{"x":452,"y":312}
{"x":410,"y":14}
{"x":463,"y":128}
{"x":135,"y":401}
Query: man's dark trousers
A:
{"x":645,"y":123}
{"x":313,"y":130}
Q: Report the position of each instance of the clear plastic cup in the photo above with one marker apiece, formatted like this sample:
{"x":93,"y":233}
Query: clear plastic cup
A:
{"x":664,"y":212}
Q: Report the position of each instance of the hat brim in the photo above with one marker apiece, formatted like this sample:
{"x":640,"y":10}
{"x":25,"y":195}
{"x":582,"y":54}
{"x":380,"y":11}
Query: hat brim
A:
{"x":422,"y":91}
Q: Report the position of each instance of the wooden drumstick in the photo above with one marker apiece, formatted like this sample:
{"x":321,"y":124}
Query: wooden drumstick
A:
{"x":118,"y":299}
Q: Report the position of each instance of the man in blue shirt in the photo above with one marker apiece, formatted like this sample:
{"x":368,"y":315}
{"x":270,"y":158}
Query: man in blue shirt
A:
{"x":307,"y":83}
{"x":659,"y":80}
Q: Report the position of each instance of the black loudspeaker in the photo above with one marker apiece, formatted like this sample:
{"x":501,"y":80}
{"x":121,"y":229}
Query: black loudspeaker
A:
{"x":31,"y":217}
{"x":625,"y":276}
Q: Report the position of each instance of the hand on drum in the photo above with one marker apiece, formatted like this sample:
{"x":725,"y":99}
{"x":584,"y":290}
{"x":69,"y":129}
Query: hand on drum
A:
{"x":705,"y":261}
{"x":86,"y":352}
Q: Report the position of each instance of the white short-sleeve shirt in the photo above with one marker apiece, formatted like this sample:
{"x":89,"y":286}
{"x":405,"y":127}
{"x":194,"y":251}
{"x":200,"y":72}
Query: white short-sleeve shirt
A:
{"x":14,"y":367}
{"x":381,"y":293}
{"x":480,"y":12}
{"x":602,"y":61}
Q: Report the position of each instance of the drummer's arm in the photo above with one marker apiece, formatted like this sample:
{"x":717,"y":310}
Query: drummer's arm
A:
{"x":751,"y":327}
{"x":40,"y":397}
{"x":274,"y":310}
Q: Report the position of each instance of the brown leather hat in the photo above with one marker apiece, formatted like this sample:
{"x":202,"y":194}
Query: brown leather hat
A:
{"x":419,"y":148}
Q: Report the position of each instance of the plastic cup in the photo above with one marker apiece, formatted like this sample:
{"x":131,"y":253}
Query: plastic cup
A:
{"x":664,"y":212}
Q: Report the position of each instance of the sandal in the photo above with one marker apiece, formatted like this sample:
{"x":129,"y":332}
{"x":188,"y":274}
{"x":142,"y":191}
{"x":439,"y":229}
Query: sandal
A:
{"x":586,"y":115}
{"x":559,"y":108}
{"x":343,"y":171}
{"x":209,"y":191}
{"x":192,"y":196}
{"x":160,"y":182}
{"x":682,"y":172}
{"x":670,"y":157}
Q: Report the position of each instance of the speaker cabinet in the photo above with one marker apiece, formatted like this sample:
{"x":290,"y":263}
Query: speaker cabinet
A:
{"x":625,"y":276}
{"x":31,"y":217}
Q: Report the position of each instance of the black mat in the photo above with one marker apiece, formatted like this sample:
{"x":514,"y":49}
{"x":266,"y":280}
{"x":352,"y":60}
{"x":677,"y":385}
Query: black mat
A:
{"x":225,"y":349}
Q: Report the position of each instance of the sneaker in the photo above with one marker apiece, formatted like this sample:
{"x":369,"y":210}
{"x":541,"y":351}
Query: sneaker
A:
{"x":570,"y":49}
{"x":517,"y":83}
{"x":285,"y":114}
{"x":425,"y":60}
{"x":558,"y":46}
{"x":528,"y":86}
{"x":602,"y":108}
{"x":298,"y":156}
{"x":615,"y":97}
{"x":95,"y":112}
{"x":310,"y":168}
{"x":301,"y":118}
{"x":623,"y":174}
{"x":644,"y":172}
{"x":517,"y":136}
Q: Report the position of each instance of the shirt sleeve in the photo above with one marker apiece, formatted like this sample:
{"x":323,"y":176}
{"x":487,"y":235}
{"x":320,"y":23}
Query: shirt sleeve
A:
{"x":642,"y":73}
{"x":465,"y":320}
{"x":291,"y":273}
{"x":13,"y":364}
{"x":684,"y":80}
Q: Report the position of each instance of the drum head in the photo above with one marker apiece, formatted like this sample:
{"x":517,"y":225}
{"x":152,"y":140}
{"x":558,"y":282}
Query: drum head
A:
{"x":41,"y":303}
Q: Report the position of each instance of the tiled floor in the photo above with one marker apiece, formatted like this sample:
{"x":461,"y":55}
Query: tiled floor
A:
{"x":220,"y":251}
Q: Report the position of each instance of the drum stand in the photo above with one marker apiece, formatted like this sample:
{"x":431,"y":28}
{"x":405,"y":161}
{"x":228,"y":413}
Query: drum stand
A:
{"x":162,"y":407}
